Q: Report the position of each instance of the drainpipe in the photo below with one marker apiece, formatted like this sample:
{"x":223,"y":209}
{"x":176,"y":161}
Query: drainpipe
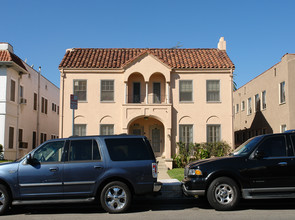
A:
{"x":17,"y":115}
{"x":38,"y":109}
{"x":62,"y":104}
{"x":232,"y":101}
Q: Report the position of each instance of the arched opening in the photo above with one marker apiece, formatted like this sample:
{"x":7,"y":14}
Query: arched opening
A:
{"x":157,"y":88}
{"x":136,"y":88}
{"x":153,"y":129}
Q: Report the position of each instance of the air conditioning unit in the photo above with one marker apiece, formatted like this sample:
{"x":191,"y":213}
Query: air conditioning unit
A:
{"x":23,"y":101}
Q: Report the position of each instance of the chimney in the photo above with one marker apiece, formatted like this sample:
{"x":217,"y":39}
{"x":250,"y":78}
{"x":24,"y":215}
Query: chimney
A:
{"x":6,"y":46}
{"x":221,"y":44}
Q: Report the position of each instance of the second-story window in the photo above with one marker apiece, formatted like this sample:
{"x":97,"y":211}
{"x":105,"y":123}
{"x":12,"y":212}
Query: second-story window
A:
{"x":263,"y":100}
{"x":12,"y":90}
{"x":282,"y":93}
{"x":243,"y":106}
{"x":185,"y":90}
{"x":257,"y":103}
{"x":213,"y":90}
{"x":107,"y":90}
{"x":80,"y":89}
{"x":35,"y":101}
{"x":237,"y":108}
{"x":44,"y":105}
{"x":249,"y":110}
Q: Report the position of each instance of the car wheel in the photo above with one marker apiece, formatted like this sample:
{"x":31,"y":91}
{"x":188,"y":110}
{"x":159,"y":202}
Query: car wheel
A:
{"x":115,"y":197}
{"x":4,"y":199}
{"x":223,"y":194}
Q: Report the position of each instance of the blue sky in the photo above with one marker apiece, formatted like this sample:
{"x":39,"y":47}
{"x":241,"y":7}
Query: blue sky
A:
{"x":258,"y":32}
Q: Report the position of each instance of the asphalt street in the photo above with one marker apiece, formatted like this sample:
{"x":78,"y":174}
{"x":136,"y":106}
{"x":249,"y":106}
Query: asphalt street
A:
{"x":158,"y":209}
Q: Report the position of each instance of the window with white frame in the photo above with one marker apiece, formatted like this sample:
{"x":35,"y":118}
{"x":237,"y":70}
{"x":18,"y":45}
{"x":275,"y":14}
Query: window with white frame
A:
{"x":213,"y":90}
{"x":256,"y":103}
{"x":107,"y":90}
{"x":243,"y":106}
{"x":282,"y":93}
{"x":185,"y":90}
{"x":213,"y":133}
{"x":80,"y":89}
{"x":79,"y":129}
{"x":106,"y":129}
{"x":283,"y":128}
{"x":263,"y":104}
{"x":249,"y":107}
{"x":186,"y":134}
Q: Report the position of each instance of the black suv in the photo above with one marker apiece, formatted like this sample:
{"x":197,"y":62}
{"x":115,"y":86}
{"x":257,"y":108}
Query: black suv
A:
{"x":110,"y":169}
{"x":261,"y":168}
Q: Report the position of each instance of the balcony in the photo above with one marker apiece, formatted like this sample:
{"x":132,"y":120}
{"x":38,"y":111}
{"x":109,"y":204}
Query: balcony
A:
{"x":158,"y":107}
{"x":151,"y":99}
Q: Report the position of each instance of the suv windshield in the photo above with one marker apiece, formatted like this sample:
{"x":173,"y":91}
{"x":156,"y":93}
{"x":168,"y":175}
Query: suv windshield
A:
{"x":247,"y":146}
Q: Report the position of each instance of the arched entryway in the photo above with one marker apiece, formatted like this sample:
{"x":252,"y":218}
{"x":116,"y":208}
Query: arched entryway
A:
{"x":153,"y":129}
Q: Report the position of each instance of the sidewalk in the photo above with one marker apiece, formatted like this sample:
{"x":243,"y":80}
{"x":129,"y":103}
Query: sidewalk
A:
{"x":171,"y":188}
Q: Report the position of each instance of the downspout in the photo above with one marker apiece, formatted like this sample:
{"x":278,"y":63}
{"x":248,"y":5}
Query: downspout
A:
{"x":38,"y":108}
{"x":17,"y":115}
{"x":62,"y":104}
{"x":232,"y":107}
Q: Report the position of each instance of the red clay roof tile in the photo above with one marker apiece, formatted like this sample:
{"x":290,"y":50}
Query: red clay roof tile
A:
{"x":120,"y":57}
{"x":7,"y":56}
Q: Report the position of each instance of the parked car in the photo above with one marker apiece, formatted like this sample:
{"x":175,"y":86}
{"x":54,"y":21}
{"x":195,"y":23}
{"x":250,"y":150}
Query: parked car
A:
{"x":261,"y":168}
{"x":110,"y":169}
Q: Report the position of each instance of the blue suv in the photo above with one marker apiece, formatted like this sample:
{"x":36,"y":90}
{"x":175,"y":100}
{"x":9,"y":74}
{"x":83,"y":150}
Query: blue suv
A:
{"x":110,"y":169}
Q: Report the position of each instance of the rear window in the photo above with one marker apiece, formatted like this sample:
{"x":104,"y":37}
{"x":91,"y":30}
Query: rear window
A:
{"x":126,"y":149}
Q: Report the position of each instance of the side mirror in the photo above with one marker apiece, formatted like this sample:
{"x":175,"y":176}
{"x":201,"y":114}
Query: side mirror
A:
{"x":259,"y":154}
{"x":29,"y":159}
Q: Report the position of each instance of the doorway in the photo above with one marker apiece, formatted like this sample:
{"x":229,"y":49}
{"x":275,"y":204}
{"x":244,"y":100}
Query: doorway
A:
{"x":136,"y":92}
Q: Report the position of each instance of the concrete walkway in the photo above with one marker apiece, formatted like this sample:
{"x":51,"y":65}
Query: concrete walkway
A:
{"x":171,"y":188}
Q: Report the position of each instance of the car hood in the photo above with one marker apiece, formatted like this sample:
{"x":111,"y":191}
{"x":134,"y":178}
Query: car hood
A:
{"x":211,"y":160}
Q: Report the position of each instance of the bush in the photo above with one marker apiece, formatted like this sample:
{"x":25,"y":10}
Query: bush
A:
{"x":191,"y":152}
{"x":1,"y":152}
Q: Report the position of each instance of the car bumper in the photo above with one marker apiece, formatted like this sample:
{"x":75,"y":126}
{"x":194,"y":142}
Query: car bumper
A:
{"x":157,"y":186}
{"x":194,"y":187}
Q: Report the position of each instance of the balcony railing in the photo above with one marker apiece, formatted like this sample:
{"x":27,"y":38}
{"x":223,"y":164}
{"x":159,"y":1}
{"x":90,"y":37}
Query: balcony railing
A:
{"x":150,"y":99}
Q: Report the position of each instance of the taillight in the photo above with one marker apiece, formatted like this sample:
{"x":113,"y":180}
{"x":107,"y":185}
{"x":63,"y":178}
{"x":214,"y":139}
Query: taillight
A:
{"x":155,"y":170}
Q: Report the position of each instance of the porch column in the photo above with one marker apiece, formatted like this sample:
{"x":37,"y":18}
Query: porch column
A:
{"x":125,"y":93}
{"x":167,"y":92}
{"x":146,"y":92}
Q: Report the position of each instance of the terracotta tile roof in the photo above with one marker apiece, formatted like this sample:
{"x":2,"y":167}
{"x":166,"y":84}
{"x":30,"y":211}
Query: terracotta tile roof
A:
{"x":120,"y":57}
{"x":7,"y":56}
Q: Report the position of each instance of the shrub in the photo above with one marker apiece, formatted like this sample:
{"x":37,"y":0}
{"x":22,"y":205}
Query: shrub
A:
{"x":197,"y":151}
{"x":1,"y":152}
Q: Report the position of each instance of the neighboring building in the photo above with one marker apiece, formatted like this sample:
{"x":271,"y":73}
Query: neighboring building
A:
{"x":168,"y":95}
{"x":266,"y":104}
{"x":29,"y":105}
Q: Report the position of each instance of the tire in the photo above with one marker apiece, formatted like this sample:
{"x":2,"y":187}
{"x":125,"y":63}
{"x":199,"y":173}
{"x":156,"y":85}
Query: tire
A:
{"x":115,"y":197}
{"x":223,"y":194}
{"x":4,"y":199}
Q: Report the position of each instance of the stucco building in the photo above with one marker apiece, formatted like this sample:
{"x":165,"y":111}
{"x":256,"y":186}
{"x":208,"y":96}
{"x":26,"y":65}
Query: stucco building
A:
{"x":168,"y":95}
{"x":266,"y":104}
{"x":29,"y":105}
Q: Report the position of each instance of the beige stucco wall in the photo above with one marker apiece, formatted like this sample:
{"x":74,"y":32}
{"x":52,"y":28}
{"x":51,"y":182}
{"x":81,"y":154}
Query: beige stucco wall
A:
{"x":276,"y":114}
{"x":170,"y":114}
{"x":26,"y":118}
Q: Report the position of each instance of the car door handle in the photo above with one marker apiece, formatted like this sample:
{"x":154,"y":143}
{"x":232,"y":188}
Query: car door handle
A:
{"x":55,"y":169}
{"x":283,"y":164}
{"x":98,"y":167}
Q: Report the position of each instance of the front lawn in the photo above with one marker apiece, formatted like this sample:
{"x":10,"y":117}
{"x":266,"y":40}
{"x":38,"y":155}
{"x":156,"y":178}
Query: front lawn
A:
{"x":177,"y":173}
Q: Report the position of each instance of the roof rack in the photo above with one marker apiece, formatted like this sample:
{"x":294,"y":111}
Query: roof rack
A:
{"x":290,"y":131}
